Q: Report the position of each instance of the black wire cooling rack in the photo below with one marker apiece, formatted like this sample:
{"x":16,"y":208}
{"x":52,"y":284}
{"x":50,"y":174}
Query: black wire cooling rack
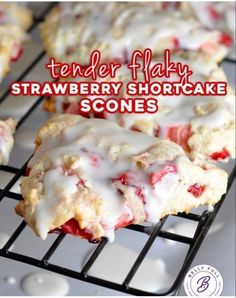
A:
{"x":203,"y":220}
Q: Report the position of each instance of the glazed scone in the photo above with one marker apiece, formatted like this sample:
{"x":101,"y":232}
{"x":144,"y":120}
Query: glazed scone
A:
{"x":16,"y":14}
{"x":203,"y":125}
{"x":7,"y":128}
{"x":11,"y":38}
{"x":217,"y":15}
{"x":89,"y":177}
{"x":72,"y":31}
{"x":14,"y":21}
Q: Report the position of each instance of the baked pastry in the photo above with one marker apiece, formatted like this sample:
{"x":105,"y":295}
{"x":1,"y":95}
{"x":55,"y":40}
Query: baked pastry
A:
{"x":14,"y":21}
{"x":7,"y":128}
{"x":73,"y":30}
{"x":16,"y":14}
{"x":89,"y":177}
{"x":203,"y":125}
{"x":216,"y":15}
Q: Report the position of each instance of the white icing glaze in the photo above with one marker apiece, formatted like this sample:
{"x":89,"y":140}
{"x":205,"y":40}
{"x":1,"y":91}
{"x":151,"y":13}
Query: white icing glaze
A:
{"x":56,"y":186}
{"x":151,"y":276}
{"x":11,"y":280}
{"x":44,"y":284}
{"x":225,"y":10}
{"x":98,"y":137}
{"x":210,"y":208}
{"x":132,"y":20}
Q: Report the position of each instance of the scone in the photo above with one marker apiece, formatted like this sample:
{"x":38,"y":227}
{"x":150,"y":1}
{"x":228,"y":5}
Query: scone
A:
{"x":16,"y":14}
{"x":7,"y":128}
{"x":15,"y":19}
{"x":213,"y":15}
{"x":203,"y":125}
{"x":89,"y":177}
{"x":73,"y":30}
{"x":216,"y":15}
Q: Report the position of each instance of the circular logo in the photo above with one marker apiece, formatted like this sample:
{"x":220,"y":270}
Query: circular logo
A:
{"x":203,"y":280}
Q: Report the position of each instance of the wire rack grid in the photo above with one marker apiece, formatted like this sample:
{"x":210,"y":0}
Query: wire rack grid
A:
{"x":203,"y":220}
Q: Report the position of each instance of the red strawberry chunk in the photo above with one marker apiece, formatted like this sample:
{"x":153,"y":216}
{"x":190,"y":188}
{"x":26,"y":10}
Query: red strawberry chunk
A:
{"x":123,"y":178}
{"x":175,"y":42}
{"x":226,"y":39}
{"x":156,"y":177}
{"x":129,"y":179}
{"x":180,"y":135}
{"x":213,"y":13}
{"x":16,"y":52}
{"x":93,"y":159}
{"x":1,"y":14}
{"x":27,"y":171}
{"x":140,"y":193}
{"x":72,"y":227}
{"x":196,"y":189}
{"x":220,"y":155}
{"x":124,"y":221}
{"x":134,"y":128}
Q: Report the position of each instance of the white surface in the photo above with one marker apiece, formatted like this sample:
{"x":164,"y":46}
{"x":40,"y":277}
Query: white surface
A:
{"x":217,"y":250}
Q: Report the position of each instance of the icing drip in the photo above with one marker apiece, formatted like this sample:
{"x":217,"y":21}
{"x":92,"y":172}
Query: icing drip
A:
{"x":104,"y":151}
{"x":119,"y":33}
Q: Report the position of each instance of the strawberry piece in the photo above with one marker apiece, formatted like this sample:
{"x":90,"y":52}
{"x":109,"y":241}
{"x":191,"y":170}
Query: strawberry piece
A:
{"x":93,"y":159}
{"x":2,"y":15}
{"x":226,"y":39}
{"x":220,"y":155}
{"x":123,"y":178}
{"x":129,"y":179}
{"x":17,"y":51}
{"x":156,"y":177}
{"x":180,"y":135}
{"x":101,"y":115}
{"x":72,"y":227}
{"x":124,"y":221}
{"x":165,"y":5}
{"x":134,"y":128}
{"x":140,"y":193}
{"x":196,"y":190}
{"x":175,"y":42}
{"x":213,"y":13}
{"x":27,"y":171}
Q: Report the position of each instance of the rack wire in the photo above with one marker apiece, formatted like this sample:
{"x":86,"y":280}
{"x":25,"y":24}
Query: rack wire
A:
{"x":204,"y":222}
